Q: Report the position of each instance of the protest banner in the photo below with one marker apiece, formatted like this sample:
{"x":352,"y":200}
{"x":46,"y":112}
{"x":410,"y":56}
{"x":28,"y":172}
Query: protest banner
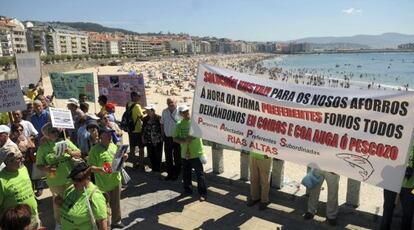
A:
{"x":70,"y":85}
{"x":11,"y":96}
{"x":61,"y":118}
{"x":28,"y":68}
{"x":361,"y":134}
{"x":118,"y":87}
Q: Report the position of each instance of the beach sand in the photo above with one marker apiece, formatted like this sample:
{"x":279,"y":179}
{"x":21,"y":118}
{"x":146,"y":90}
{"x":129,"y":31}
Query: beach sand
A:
{"x":185,"y":68}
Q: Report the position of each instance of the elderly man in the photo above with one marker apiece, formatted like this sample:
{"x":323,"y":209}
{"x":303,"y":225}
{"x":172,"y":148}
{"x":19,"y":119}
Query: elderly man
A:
{"x":39,"y":118}
{"x":15,"y":184}
{"x":169,"y":118}
{"x":4,"y":142}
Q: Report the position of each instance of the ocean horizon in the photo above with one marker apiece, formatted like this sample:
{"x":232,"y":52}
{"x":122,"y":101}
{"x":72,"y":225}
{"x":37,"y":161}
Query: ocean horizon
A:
{"x":387,"y":70}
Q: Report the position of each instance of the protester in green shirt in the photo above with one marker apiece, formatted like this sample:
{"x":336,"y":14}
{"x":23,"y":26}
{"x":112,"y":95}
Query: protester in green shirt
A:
{"x":100,"y":159}
{"x":191,"y":150}
{"x":57,"y":167}
{"x":15,"y":185}
{"x":406,"y":199}
{"x":74,"y":211}
{"x":260,"y":168}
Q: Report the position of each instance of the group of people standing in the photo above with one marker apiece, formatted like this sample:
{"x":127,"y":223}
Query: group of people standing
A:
{"x":75,"y":164}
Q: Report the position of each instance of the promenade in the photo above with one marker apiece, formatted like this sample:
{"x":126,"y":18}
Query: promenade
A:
{"x":151,"y":203}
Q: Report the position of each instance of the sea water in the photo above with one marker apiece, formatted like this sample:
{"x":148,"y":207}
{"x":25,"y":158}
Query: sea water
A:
{"x":388,"y":69}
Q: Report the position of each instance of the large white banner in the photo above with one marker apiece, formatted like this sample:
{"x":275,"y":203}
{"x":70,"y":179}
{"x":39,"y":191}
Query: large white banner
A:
{"x":361,"y":134}
{"x":28,"y":68}
{"x":11,"y":96}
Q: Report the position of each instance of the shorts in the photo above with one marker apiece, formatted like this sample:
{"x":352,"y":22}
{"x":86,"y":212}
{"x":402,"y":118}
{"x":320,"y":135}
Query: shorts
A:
{"x":135,"y":139}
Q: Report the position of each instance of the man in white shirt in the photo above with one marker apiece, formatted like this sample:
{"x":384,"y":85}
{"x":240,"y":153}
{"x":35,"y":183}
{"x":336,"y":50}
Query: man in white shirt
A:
{"x":169,"y":117}
{"x":28,"y":129}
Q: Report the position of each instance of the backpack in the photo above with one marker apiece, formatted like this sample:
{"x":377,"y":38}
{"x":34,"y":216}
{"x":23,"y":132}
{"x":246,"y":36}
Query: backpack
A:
{"x":127,"y":122}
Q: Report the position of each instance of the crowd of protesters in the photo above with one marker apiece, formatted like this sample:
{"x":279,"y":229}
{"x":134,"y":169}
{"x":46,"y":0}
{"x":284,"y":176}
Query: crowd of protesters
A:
{"x":80,"y":175}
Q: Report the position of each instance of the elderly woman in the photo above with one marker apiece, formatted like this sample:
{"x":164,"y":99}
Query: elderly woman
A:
{"x":152,"y":136}
{"x":15,"y":185}
{"x":74,"y":210}
{"x":57,"y":164}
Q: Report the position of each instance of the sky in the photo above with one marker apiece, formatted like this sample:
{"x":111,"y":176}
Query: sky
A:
{"x":250,"y":20}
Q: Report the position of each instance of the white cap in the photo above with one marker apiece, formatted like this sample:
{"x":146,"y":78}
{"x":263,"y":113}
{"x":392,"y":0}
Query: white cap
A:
{"x":150,"y":106}
{"x":183,"y":108}
{"x":4,"y":129}
{"x":73,"y":101}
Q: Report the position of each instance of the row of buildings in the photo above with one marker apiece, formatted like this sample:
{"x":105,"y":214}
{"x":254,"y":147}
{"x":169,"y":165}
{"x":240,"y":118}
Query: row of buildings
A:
{"x":57,"y":39}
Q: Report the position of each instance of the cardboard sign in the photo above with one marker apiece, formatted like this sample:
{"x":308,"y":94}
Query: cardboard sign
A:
{"x":11,"y":96}
{"x":28,"y":68}
{"x":61,"y":118}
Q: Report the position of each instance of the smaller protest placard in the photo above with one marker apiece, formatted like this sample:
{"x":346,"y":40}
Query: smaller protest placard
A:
{"x":61,"y":147}
{"x":118,"y":159}
{"x":61,"y":118}
{"x":28,"y":67}
{"x":11,"y":96}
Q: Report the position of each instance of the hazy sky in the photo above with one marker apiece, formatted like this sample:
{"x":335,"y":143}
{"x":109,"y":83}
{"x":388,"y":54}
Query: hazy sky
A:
{"x":252,"y":20}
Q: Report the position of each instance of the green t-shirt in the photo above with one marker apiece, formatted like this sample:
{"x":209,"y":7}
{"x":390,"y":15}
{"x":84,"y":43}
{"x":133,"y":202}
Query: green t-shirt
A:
{"x":409,"y":183}
{"x":98,"y":155}
{"x":16,"y":188}
{"x":182,"y":128}
{"x":136,"y":114}
{"x":258,"y":156}
{"x":46,"y":156}
{"x":74,"y":212}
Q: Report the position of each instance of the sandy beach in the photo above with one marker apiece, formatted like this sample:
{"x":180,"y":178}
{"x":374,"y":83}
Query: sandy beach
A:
{"x":184,"y":70}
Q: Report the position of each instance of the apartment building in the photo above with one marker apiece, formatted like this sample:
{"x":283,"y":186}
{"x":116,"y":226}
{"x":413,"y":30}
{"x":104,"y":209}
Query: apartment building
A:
{"x":12,"y":37}
{"x":132,"y":45}
{"x":53,"y":39}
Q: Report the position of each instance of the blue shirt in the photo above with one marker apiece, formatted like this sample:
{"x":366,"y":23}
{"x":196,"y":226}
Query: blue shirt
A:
{"x":39,"y":121}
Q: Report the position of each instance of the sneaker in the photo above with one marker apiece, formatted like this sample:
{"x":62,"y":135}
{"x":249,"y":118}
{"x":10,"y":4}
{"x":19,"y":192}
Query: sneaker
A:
{"x":308,"y":216}
{"x":251,"y":202}
{"x":263,"y":205}
{"x":331,"y":222}
{"x":118,"y":224}
{"x":39,"y":192}
{"x":202,"y":198}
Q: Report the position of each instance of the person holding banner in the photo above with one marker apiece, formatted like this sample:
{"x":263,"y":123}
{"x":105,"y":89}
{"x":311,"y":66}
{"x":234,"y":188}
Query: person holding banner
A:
{"x":191,"y":151}
{"x":406,"y":198}
{"x":332,"y":181}
{"x":260,"y":168}
{"x":56,"y":158}
{"x":100,"y":159}
{"x":83,"y":205}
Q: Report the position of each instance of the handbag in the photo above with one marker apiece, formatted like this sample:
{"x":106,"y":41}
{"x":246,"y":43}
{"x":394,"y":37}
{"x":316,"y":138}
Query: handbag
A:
{"x":311,"y":180}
